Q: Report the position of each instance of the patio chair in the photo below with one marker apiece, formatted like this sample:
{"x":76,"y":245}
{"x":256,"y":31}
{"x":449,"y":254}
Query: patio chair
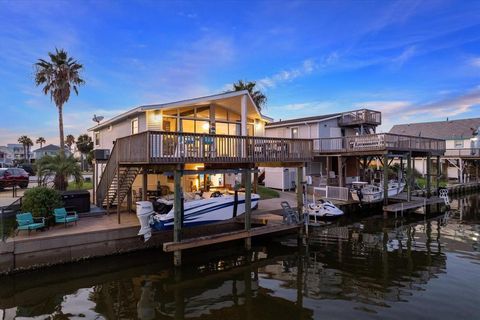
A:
{"x":289,"y":214}
{"x":26,"y":221}
{"x":62,"y":216}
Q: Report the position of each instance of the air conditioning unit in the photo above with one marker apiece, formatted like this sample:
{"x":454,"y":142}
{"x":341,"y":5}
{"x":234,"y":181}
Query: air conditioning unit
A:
{"x":101,"y":154}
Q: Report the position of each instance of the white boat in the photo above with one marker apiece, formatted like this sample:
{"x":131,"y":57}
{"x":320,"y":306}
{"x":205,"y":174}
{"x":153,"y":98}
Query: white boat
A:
{"x":323,"y":209}
{"x":198,"y":210}
{"x":369,"y":193}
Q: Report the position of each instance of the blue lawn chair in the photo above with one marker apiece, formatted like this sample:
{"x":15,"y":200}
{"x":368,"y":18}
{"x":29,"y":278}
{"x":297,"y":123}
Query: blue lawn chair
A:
{"x":26,"y":221}
{"x":62,"y":216}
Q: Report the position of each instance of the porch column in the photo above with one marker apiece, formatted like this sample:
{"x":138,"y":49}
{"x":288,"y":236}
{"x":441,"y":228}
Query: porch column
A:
{"x":299,"y":190}
{"x":255,"y":181}
{"x":243,"y":115}
{"x":327,"y":165}
{"x":340,"y":172}
{"x":409,"y":177}
{"x":177,"y":215}
{"x":144,"y":184}
{"x":385,"y":179}
{"x":94,"y":181}
{"x":439,"y":172}
{"x":248,"y":206}
{"x":429,"y":175}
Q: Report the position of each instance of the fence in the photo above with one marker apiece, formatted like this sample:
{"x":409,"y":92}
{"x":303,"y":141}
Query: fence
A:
{"x":332,"y":192}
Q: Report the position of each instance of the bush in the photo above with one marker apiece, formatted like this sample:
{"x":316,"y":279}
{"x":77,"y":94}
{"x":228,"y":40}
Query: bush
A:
{"x":41,"y":201}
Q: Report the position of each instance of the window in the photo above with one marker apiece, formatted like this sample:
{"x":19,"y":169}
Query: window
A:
{"x":97,"y":138}
{"x":294,"y":133}
{"x":135,"y":126}
{"x":458,"y":144}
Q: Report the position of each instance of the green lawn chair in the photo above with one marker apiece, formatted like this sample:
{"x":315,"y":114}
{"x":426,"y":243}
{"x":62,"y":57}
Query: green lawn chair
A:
{"x":26,"y":221}
{"x":62,"y":216}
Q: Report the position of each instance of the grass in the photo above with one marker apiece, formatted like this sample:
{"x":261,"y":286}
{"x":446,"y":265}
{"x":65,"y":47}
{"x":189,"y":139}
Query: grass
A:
{"x":266,"y":193}
{"x":86,"y":185}
{"x":422,"y":182}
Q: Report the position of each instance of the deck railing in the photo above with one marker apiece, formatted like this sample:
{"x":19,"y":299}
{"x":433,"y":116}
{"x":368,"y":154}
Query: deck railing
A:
{"x":378,"y":142}
{"x":473,"y":152}
{"x":156,"y":147}
{"x":359,"y":117}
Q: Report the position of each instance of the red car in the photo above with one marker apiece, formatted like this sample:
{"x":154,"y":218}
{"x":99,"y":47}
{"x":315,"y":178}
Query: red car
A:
{"x":10,"y":177}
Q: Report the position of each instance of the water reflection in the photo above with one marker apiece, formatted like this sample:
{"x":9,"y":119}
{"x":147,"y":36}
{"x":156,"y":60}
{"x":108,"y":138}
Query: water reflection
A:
{"x":361,"y":269}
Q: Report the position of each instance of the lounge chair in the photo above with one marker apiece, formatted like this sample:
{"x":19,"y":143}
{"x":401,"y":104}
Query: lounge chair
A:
{"x":26,"y":221}
{"x":62,"y":216}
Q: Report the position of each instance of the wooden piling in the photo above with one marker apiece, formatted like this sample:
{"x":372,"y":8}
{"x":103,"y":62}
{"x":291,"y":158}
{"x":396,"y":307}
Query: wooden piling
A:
{"x":144,"y":185}
{"x":177,"y":215}
{"x":409,"y":177}
{"x":429,"y":175}
{"x":299,"y":182}
{"x":248,"y":207}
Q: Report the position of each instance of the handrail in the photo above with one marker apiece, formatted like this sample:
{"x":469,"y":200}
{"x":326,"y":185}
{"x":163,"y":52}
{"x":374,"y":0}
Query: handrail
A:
{"x":107,"y":176}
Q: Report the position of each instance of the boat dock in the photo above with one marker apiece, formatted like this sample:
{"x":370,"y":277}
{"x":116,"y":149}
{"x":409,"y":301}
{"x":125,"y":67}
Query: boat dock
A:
{"x":415,"y":202}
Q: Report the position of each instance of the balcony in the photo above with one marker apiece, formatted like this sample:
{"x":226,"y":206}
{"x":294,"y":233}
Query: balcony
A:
{"x":378,"y":143}
{"x":463,"y":153}
{"x":360,"y":117}
{"x":156,"y":147}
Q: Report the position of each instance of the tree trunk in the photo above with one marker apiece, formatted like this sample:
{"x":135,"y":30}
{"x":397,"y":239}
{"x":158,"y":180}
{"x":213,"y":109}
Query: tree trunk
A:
{"x":60,"y":128}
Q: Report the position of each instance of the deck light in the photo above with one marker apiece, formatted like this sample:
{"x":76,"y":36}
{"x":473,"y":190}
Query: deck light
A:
{"x":205,"y":126}
{"x":157,"y":116}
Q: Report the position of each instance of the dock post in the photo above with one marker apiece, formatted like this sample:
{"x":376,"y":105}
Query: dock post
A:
{"x":118,"y":193}
{"x":327,"y":167}
{"x":255,"y":180}
{"x":177,"y":215}
{"x":409,"y":177}
{"x":144,"y":184}
{"x":248,"y":206}
{"x":385,"y":179}
{"x":429,"y":175}
{"x":129,"y":200}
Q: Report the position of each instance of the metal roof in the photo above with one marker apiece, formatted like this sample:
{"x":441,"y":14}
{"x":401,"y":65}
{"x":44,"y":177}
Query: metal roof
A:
{"x":448,"y":130}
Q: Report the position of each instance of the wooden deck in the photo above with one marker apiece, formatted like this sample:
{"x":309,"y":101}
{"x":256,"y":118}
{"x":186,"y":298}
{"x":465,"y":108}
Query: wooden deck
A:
{"x":415,"y":203}
{"x":379,"y":143}
{"x":360,"y":117}
{"x":462,"y":153}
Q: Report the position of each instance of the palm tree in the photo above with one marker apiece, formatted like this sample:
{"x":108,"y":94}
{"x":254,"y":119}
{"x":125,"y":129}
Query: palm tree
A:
{"x":40,"y":141}
{"x":69,"y":141}
{"x":84,"y":144}
{"x":26,"y":143}
{"x":258,"y":97}
{"x":59,"y":168}
{"x":58,"y":76}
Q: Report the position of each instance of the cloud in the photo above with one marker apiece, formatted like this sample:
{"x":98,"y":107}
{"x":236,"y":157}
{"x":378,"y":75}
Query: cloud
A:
{"x":475,"y":62}
{"x":406,"y":55}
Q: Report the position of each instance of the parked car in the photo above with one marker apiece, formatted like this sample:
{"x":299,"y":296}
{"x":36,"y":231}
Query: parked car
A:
{"x":28,"y":167}
{"x":10,"y":177}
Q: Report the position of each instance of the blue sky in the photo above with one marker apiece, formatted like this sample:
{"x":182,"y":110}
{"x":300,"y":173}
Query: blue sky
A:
{"x":412,"y":60}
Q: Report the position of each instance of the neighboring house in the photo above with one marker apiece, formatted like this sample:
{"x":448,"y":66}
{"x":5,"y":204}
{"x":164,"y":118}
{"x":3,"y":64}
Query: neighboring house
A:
{"x":462,"y":144}
{"x":228,"y":114}
{"x":12,"y":152}
{"x":48,"y":150}
{"x":337,"y":125}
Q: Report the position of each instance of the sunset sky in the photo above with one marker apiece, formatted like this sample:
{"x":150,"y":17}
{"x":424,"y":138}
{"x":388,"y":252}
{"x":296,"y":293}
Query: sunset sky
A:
{"x":412,"y":60}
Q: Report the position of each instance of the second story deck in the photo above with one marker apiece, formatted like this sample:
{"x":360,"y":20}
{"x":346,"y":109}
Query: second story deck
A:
{"x":360,"y":117}
{"x":157,"y":147}
{"x":378,"y":144}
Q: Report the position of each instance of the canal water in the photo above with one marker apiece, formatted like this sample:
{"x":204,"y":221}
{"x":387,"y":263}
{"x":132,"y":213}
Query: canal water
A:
{"x":421,"y":267}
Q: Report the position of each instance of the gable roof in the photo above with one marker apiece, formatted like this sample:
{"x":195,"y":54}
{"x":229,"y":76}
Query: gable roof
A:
{"x":448,"y":130}
{"x":50,"y":147}
{"x":180,"y":103}
{"x":304,"y":120}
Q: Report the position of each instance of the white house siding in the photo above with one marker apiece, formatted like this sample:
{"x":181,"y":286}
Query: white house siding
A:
{"x":121,"y":129}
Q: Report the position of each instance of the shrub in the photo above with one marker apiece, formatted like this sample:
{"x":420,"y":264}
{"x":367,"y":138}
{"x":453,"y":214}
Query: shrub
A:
{"x":41,"y":201}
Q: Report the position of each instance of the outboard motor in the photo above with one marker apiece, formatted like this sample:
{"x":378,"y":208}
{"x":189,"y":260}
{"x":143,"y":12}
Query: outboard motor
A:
{"x":144,"y":211}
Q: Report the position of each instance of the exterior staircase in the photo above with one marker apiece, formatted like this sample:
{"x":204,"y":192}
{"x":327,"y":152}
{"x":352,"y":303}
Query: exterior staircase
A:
{"x":115,"y":182}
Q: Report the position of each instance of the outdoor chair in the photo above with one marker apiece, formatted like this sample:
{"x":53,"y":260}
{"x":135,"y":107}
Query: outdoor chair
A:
{"x":289,"y":214}
{"x":26,"y":221}
{"x":62,"y":216}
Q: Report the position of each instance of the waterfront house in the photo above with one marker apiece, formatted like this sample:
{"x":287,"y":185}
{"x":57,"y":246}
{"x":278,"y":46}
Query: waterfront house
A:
{"x":461,"y":140}
{"x":224,"y":131}
{"x":325,"y":131}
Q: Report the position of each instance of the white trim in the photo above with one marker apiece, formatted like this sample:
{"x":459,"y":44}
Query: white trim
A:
{"x":289,"y":124}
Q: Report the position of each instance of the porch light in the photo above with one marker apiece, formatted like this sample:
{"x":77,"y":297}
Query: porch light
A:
{"x":205,"y":126}
{"x":258,"y":125}
{"x":157,"y":116}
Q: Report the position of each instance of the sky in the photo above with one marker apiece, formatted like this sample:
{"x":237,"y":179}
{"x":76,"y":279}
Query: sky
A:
{"x":413,"y":60}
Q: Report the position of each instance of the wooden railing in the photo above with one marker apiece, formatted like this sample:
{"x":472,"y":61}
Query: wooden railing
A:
{"x":378,"y":142}
{"x":156,"y":147}
{"x":359,"y":117}
{"x":475,"y":152}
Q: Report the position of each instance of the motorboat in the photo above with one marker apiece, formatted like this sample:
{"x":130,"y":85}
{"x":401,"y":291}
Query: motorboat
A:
{"x":366,"y":193}
{"x":198,"y":209}
{"x":323,"y":209}
{"x":369,"y":193}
